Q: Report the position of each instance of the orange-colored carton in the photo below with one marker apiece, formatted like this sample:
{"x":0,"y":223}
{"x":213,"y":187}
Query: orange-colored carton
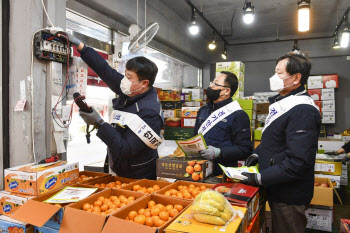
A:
{"x":11,"y":202}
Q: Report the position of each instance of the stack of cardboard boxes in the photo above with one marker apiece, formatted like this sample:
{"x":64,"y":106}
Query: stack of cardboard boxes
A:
{"x":321,"y":90}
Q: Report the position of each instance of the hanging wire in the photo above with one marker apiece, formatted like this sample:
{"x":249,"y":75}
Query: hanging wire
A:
{"x":145,"y":25}
{"x":137,"y":20}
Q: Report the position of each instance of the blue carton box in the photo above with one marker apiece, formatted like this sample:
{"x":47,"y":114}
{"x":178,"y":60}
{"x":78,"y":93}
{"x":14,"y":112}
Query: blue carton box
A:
{"x":8,"y":225}
{"x":45,"y":230}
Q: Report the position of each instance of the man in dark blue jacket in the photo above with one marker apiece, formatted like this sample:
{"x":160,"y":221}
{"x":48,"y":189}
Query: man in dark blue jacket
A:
{"x":130,"y":154}
{"x":288,"y":146}
{"x":225,"y":126}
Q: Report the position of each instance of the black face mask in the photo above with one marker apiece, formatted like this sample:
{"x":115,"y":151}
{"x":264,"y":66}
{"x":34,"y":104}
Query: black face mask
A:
{"x":213,"y":94}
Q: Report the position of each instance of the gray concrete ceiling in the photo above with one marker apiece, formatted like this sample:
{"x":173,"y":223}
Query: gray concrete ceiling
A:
{"x":272,"y":18}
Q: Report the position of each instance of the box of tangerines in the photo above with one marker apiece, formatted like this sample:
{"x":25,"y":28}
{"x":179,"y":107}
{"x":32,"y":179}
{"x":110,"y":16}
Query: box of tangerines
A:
{"x":89,"y":176}
{"x":35,"y":180}
{"x":153,"y":213}
{"x":184,"y":168}
{"x":46,"y":214}
{"x":114,"y":182}
{"x":146,"y":186}
{"x":96,"y":209}
{"x":11,"y":202}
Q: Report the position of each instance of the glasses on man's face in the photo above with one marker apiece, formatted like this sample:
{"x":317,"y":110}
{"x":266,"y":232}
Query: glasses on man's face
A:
{"x":216,"y":85}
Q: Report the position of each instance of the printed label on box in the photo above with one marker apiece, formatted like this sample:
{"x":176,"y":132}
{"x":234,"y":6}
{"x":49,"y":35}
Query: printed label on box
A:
{"x":315,"y":82}
{"x":324,"y":167}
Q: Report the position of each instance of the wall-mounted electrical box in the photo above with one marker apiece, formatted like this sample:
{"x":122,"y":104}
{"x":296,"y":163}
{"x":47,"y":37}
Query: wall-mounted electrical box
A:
{"x":47,"y":46}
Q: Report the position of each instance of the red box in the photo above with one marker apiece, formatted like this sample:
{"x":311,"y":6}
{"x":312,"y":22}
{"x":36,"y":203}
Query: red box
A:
{"x":314,"y":92}
{"x":330,"y":81}
{"x":254,"y":226}
{"x":241,"y":195}
{"x":319,"y":105}
{"x":188,"y":122}
{"x":344,"y":225}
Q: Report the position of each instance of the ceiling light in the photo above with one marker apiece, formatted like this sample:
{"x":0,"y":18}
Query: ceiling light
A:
{"x":304,"y":15}
{"x":248,"y":13}
{"x":212,"y":44}
{"x":344,"y":42}
{"x":193,"y":28}
{"x":224,"y":54}
{"x":336,"y":44}
{"x":295,"y":48}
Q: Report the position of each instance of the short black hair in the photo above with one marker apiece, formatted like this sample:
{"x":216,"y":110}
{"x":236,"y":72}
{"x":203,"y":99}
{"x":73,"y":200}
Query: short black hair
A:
{"x":231,"y":81}
{"x":144,"y":68}
{"x":297,"y":63}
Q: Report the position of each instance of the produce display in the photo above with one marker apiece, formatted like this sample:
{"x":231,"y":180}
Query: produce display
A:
{"x":113,"y":185}
{"x":212,"y":207}
{"x":84,"y":178}
{"x":150,"y":189}
{"x":106,"y":206}
{"x":156,"y":215}
{"x":184,"y":191}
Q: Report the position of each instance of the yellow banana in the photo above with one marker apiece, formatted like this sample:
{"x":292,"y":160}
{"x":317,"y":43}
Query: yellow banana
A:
{"x":225,"y":216}
{"x":212,"y":195}
{"x":228,"y":212}
{"x":205,"y":218}
{"x":202,"y":208}
{"x":213,"y":203}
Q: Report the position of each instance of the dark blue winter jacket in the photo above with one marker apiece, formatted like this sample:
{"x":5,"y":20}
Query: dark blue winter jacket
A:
{"x":287,"y":153}
{"x":128,"y":155}
{"x":232,"y":135}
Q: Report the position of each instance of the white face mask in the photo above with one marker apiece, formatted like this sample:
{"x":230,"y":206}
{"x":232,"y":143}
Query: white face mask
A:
{"x":125,"y":86}
{"x":277,"y":84}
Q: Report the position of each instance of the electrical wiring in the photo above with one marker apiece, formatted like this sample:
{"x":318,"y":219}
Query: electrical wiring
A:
{"x":47,"y":15}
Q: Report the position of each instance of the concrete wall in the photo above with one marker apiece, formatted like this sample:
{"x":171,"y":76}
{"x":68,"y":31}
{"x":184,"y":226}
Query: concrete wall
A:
{"x":26,"y":18}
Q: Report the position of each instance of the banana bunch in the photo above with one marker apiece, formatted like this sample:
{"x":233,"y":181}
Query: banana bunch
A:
{"x":212,"y":207}
{"x":178,"y":153}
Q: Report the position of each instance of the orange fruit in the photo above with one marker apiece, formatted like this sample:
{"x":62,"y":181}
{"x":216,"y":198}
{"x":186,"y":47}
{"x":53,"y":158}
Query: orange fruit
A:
{"x":201,"y":175}
{"x":149,"y":221}
{"x":194,"y":193}
{"x":113,"y":198}
{"x":122,"y":205}
{"x":122,"y":196}
{"x":132,"y":215}
{"x":141,"y":211}
{"x":189,"y":169}
{"x":172,"y":191}
{"x":136,"y":187}
{"x":131,"y":198}
{"x":103,"y":185}
{"x":169,"y":208}
{"x":86,"y":206}
{"x":147,"y":213}
{"x":167,"y":193}
{"x":89,"y":210}
{"x":109,"y":211}
{"x":161,"y":207}
{"x":156,"y":187}
{"x":191,"y":163}
{"x":197,"y":168}
{"x":192,"y":186}
{"x":117,"y":202}
{"x":107,"y":201}
{"x":104,"y":208}
{"x":179,"y":187}
{"x":123,"y":200}
{"x":158,"y":223}
{"x":195,"y":176}
{"x":155,"y":218}
{"x":155,"y":211}
{"x":179,"y":195}
{"x":112,"y":206}
{"x":187,"y":195}
{"x":144,"y":190}
{"x":178,"y":207}
{"x":150,"y":190}
{"x":118,"y":182}
{"x":98,"y":203}
{"x":112,"y":184}
{"x":96,"y":212}
{"x":101,"y":198}
{"x":97,"y":185}
{"x":151,"y":204}
{"x":173,"y":212}
{"x":164,"y":215}
{"x":96,"y":209}
{"x":140,"y":219}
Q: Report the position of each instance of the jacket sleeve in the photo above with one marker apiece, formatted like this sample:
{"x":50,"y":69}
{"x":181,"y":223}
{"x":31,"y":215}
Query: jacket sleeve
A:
{"x":302,"y":131}
{"x":98,"y":64}
{"x":241,"y":139}
{"x":197,"y":124}
{"x":346,"y":147}
{"x":129,"y":145}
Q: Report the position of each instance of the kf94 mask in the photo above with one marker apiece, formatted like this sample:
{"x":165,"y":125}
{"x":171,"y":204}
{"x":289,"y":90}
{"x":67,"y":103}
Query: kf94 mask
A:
{"x":125,"y":86}
{"x":277,"y":84}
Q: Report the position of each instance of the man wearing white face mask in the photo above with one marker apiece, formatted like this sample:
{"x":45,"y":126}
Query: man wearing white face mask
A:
{"x":133,"y":135}
{"x":287,"y":152}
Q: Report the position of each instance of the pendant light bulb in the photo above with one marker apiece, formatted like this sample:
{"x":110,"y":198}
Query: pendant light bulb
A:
{"x":193,"y":28}
{"x":248,"y":13}
{"x":345,"y":36}
{"x":304,"y":15}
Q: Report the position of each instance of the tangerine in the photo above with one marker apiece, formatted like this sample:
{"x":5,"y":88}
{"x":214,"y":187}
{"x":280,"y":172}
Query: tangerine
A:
{"x":161,"y":207}
{"x":169,"y":208}
{"x":149,"y":221}
{"x":141,"y":211}
{"x":86,"y":206}
{"x":192,"y":186}
{"x":98,"y":203}
{"x":191,"y":163}
{"x":164,"y":215}
{"x":104,"y":208}
{"x":173,"y":212}
{"x":101,"y":198}
{"x":150,"y":190}
{"x":122,"y":205}
{"x":147,"y":213}
{"x":158,"y":223}
{"x":197,"y":168}
{"x":156,"y":187}
{"x":195,"y":176}
{"x":155,"y":211}
{"x":140,"y":219}
{"x":113,"y":198}
{"x":136,"y":187}
{"x":178,"y":207}
{"x":132,"y":215}
{"x":151,"y":204}
{"x":189,"y":169}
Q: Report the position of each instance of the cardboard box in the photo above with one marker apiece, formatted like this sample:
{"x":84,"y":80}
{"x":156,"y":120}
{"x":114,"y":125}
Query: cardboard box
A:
{"x":193,"y":104}
{"x":344,"y":225}
{"x":319,"y":219}
{"x":169,"y":113}
{"x":46,"y":214}
{"x":258,"y":133}
{"x":238,"y":95}
{"x":146,"y":183}
{"x":170,"y":180}
{"x":236,"y":67}
{"x":91,"y":176}
{"x":9,"y":225}
{"x":241,"y":195}
{"x":246,"y":104}
{"x":328,"y":118}
{"x":334,"y":179}
{"x":327,"y":144}
{"x":175,"y":167}
{"x":314,"y":82}
{"x":328,"y":105}
{"x":328,"y":167}
{"x":330,"y":81}
{"x":188,"y":122}
{"x":251,"y":114}
{"x":186,"y":223}
{"x":197,"y":93}
{"x":107,"y":180}
{"x":11,"y":202}
{"x":29,"y":180}
{"x":45,"y":230}
{"x":118,"y":219}
{"x":262,"y":108}
{"x":177,"y":133}
{"x":169,"y":95}
{"x":323,"y":196}
{"x":181,"y":182}
{"x":322,"y":94}
{"x":171,"y":105}
{"x":189,"y":111}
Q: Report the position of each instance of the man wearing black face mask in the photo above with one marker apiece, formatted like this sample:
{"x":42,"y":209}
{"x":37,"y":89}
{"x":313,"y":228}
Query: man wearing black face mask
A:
{"x":224,"y":125}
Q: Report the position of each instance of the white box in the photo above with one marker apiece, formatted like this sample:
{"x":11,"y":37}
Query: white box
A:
{"x":314,"y":82}
{"x":327,"y":94}
{"x":319,"y":219}
{"x":197,"y":93}
{"x":168,"y":113}
{"x":328,"y":106}
{"x":345,"y":138}
{"x":189,"y":122}
{"x":328,"y":117}
{"x":327,"y":144}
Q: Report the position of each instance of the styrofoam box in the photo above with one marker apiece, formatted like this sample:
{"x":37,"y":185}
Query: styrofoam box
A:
{"x":315,"y":82}
{"x":328,"y":117}
{"x":328,"y":106}
{"x":319,"y":219}
{"x":329,"y":144}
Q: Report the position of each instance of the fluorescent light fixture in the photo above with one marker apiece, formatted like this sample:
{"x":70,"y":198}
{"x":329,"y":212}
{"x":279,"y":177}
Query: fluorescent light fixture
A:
{"x":248,"y":13}
{"x":304,"y":15}
{"x":344,"y":42}
{"x":193,"y":28}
